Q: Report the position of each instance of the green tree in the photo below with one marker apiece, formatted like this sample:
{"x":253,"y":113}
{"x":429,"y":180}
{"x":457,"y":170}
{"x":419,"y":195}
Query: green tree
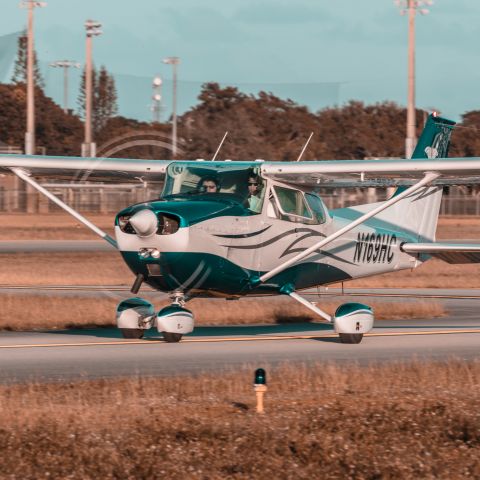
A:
{"x":104,"y":98}
{"x":20,"y":67}
{"x":466,"y":140}
{"x":59,"y":133}
{"x":266,"y":126}
{"x":259,"y":127}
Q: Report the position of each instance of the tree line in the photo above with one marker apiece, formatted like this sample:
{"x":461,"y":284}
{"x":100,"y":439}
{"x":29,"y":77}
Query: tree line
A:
{"x":260,"y":126}
{"x":104,"y":91}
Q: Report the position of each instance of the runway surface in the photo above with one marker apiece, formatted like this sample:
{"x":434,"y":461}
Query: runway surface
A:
{"x":102,"y":353}
{"x":42,"y":246}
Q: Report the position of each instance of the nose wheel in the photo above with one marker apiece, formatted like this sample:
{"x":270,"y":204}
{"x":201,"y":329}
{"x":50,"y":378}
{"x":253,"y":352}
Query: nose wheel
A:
{"x":350,"y":337}
{"x":135,"y":333}
{"x":175,"y":320}
{"x":170,"y":337}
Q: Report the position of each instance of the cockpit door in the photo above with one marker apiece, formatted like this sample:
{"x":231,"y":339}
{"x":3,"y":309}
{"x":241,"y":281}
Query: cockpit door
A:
{"x":294,"y":223}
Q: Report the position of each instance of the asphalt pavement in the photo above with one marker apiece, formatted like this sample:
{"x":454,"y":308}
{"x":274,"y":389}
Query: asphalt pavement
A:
{"x":102,"y":353}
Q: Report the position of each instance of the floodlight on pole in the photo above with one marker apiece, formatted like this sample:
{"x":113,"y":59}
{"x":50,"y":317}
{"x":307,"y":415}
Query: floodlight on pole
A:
{"x":174,"y":62}
{"x":30,"y":5}
{"x":157,"y":98}
{"x":411,"y":7}
{"x":93,"y":29}
{"x":66,"y":65}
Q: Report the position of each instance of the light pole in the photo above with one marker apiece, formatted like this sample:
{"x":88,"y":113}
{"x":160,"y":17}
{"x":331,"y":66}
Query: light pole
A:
{"x":65,"y":64}
{"x":174,"y":61}
{"x":30,"y":133}
{"x":157,"y":98}
{"x":93,"y":29}
{"x":411,"y":7}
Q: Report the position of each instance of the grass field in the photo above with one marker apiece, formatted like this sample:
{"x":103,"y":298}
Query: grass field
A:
{"x":59,"y":226}
{"x":30,"y":312}
{"x":53,"y":226}
{"x":397,"y":421}
{"x":82,"y":268}
{"x":109,"y":269}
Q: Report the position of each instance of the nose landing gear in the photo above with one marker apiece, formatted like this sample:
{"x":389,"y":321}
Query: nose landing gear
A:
{"x":175,"y":320}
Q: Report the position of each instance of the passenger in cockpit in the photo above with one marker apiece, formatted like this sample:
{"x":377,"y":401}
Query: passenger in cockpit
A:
{"x":255,"y":186}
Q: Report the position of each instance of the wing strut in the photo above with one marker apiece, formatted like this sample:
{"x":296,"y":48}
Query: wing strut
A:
{"x":311,"y":306}
{"x":428,"y":178}
{"x":26,"y":178}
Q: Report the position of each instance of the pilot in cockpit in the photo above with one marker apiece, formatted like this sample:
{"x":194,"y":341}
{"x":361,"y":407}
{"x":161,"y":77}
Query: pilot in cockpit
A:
{"x":209,"y":185}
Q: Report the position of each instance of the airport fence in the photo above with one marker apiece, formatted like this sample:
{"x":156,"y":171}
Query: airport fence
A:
{"x":113,"y":198}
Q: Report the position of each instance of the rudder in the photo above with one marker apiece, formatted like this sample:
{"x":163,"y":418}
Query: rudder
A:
{"x":418,"y":213}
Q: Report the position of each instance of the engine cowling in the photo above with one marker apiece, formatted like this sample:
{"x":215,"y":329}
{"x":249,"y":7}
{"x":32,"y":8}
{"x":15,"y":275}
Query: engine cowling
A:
{"x":175,"y":319}
{"x":135,"y":313}
{"x":353,"y":318}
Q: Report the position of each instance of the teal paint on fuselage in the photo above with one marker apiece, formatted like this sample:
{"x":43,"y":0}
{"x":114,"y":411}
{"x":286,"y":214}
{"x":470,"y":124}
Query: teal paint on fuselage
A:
{"x":211,"y":273}
{"x":194,"y":210}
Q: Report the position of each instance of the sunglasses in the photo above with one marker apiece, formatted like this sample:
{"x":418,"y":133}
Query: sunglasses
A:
{"x":253,"y":183}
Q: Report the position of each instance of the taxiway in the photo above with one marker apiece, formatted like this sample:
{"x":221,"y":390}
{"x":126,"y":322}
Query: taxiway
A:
{"x":102,"y":353}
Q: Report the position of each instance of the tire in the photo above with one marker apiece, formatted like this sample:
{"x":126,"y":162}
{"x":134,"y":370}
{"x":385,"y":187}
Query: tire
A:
{"x":136,"y":333}
{"x":350,"y":337}
{"x":172,"y":337}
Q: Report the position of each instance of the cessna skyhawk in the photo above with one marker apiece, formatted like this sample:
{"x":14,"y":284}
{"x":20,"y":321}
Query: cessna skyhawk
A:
{"x":207,"y":236}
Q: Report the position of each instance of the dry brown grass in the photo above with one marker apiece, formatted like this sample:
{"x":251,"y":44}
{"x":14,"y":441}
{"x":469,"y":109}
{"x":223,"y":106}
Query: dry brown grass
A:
{"x":434,"y":273}
{"x":61,"y":226}
{"x":53,"y":226}
{"x":458,"y":228}
{"x":83,"y":268}
{"x":32,"y":312}
{"x":109,"y":269}
{"x":64,"y":269}
{"x":399,"y":421}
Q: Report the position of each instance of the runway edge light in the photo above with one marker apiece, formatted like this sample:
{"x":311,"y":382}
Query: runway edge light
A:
{"x":260,"y":387}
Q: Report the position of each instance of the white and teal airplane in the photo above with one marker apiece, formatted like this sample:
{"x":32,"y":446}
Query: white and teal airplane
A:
{"x":237,"y":228}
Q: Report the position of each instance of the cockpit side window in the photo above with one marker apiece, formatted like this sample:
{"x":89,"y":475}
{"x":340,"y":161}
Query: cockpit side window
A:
{"x":316,"y":206}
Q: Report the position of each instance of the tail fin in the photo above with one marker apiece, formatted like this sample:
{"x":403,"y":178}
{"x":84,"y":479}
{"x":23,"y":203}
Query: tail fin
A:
{"x":418,"y":213}
{"x":434,"y":141}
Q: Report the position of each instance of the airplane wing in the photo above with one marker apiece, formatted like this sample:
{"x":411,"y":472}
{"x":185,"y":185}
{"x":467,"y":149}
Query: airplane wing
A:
{"x":79,"y":169}
{"x":448,"y":252}
{"x":325,"y":173}
{"x":430,"y":155}
{"x":374,"y":173}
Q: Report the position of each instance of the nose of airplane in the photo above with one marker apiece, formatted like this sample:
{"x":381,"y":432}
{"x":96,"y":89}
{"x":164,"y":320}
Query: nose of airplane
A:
{"x":144,"y":222}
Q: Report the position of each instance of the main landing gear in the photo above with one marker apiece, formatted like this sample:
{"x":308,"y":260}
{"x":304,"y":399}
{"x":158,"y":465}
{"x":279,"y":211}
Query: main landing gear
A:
{"x":351,"y":320}
{"x":136,"y":315}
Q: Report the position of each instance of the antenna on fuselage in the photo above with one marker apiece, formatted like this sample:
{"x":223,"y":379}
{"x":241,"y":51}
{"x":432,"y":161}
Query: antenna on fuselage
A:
{"x":305,"y":147}
{"x":220,"y":146}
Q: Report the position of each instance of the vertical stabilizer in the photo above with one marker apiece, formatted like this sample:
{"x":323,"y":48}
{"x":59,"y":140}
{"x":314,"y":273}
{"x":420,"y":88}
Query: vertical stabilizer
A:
{"x":419,"y":212}
{"x":434,"y":141}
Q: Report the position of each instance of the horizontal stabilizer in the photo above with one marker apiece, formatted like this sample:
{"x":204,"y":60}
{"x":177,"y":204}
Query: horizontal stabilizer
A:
{"x":448,"y":252}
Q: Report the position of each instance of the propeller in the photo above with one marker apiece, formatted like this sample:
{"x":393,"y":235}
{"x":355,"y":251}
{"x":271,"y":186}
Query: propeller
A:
{"x":144,"y":222}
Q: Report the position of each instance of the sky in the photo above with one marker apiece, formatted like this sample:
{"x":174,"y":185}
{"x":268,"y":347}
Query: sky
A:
{"x":317,"y":52}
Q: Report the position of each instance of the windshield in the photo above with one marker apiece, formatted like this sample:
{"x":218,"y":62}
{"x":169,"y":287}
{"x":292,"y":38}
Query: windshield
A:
{"x":242,"y":182}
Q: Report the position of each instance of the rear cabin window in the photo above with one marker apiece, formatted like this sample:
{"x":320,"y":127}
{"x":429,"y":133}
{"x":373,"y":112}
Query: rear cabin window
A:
{"x":292,"y":204}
